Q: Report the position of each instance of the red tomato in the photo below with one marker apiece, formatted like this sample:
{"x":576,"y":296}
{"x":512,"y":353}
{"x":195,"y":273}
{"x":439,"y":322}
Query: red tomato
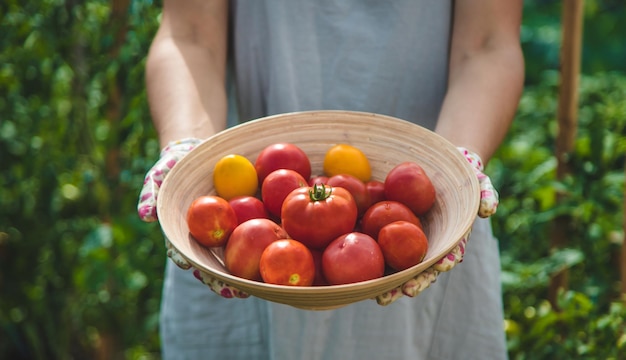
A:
{"x":318,"y":179}
{"x":248,"y":207}
{"x":282,"y":156}
{"x":317,"y":215}
{"x":243,"y":250}
{"x":403,"y":244}
{"x":383,"y":213}
{"x":351,"y":258}
{"x":277,"y":185}
{"x":287,"y":262}
{"x":211,"y":220}
{"x":408,"y":183}
{"x":376,"y":190}
{"x":356,"y":188}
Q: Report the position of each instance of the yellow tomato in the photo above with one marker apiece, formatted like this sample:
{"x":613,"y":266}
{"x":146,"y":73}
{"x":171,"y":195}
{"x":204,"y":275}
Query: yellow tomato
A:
{"x":347,"y":159}
{"x":234,"y":175}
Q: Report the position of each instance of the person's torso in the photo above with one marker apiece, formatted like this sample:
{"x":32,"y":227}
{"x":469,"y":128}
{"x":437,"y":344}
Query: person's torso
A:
{"x":388,"y":57}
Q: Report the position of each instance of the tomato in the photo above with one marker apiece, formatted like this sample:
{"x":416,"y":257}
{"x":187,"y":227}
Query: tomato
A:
{"x":351,"y":258}
{"x":376,"y":191}
{"x":277,"y":185}
{"x":248,"y":207}
{"x":316,"y":215}
{"x":383,"y":213}
{"x":409,"y":184}
{"x":287,"y":262}
{"x":356,"y":188}
{"x":318,"y":179}
{"x":234,"y":175}
{"x":403,"y":244}
{"x":211,"y":220}
{"x":282,"y":156}
{"x":347,"y":159}
{"x":243,"y":250}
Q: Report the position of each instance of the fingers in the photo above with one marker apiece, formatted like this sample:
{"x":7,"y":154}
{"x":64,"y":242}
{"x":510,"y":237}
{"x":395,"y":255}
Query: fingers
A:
{"x":489,"y":197}
{"x":218,"y":286}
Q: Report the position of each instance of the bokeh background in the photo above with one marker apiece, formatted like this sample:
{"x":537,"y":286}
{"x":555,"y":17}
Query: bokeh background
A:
{"x":80,"y":275}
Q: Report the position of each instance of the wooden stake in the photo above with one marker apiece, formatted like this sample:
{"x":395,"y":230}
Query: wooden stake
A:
{"x":567,"y":116}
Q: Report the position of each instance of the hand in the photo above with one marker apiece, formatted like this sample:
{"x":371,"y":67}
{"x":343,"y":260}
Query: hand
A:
{"x":170,"y":155}
{"x":488,"y":207}
{"x":488,"y":194}
{"x":218,"y":286}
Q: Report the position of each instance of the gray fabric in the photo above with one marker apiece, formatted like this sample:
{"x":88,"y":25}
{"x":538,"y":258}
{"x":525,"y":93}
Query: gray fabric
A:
{"x":387,"y":57}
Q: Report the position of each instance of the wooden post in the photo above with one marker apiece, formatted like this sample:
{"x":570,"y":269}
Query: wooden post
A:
{"x":567,"y":117}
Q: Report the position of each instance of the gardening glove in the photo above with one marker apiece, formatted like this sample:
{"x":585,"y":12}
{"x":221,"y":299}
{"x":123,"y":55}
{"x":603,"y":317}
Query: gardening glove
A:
{"x":170,"y":155}
{"x":488,"y":207}
{"x":147,"y":209}
{"x":488,"y":194}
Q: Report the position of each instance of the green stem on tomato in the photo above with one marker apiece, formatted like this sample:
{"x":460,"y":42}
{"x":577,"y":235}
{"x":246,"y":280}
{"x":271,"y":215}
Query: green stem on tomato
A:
{"x":320,"y":192}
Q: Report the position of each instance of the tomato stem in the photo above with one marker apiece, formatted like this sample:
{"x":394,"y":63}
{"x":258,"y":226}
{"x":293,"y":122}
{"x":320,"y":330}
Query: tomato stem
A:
{"x":320,"y":192}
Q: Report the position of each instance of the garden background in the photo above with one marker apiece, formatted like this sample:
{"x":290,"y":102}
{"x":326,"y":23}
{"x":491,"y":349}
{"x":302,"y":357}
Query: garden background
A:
{"x":80,"y":275}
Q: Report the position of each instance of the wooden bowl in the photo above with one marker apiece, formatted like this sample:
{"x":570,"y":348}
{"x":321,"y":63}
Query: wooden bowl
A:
{"x":385,"y":140}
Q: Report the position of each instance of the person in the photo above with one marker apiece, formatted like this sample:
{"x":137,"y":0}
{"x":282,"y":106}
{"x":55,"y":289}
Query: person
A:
{"x":455,"y":67}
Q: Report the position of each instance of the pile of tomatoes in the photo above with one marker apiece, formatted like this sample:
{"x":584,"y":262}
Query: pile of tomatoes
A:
{"x":279,"y":224}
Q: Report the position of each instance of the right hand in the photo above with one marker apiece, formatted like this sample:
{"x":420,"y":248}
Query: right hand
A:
{"x":147,"y":210}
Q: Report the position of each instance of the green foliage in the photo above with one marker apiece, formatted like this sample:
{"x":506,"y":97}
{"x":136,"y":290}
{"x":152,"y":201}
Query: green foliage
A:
{"x":78,"y":270}
{"x":592,"y":200}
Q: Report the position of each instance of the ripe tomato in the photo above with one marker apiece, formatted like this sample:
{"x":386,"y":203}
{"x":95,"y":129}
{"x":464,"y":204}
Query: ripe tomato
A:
{"x":234,"y":175}
{"x":408,"y":183}
{"x":317,"y":215}
{"x":347,"y":159}
{"x":287,"y":262}
{"x":403,"y":244}
{"x":282,"y":156}
{"x":248,"y":207}
{"x":352,"y":257}
{"x":243,"y":250}
{"x":376,"y":190}
{"x":211,"y":220}
{"x":356,"y":188}
{"x":383,"y":213}
{"x":277,"y":185}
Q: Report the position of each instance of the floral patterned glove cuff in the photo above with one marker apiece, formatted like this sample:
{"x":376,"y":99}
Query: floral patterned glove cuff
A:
{"x":170,"y":155}
{"x":489,"y":197}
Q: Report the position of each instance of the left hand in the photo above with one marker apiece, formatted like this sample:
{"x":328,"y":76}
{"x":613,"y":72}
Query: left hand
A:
{"x":488,"y":205}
